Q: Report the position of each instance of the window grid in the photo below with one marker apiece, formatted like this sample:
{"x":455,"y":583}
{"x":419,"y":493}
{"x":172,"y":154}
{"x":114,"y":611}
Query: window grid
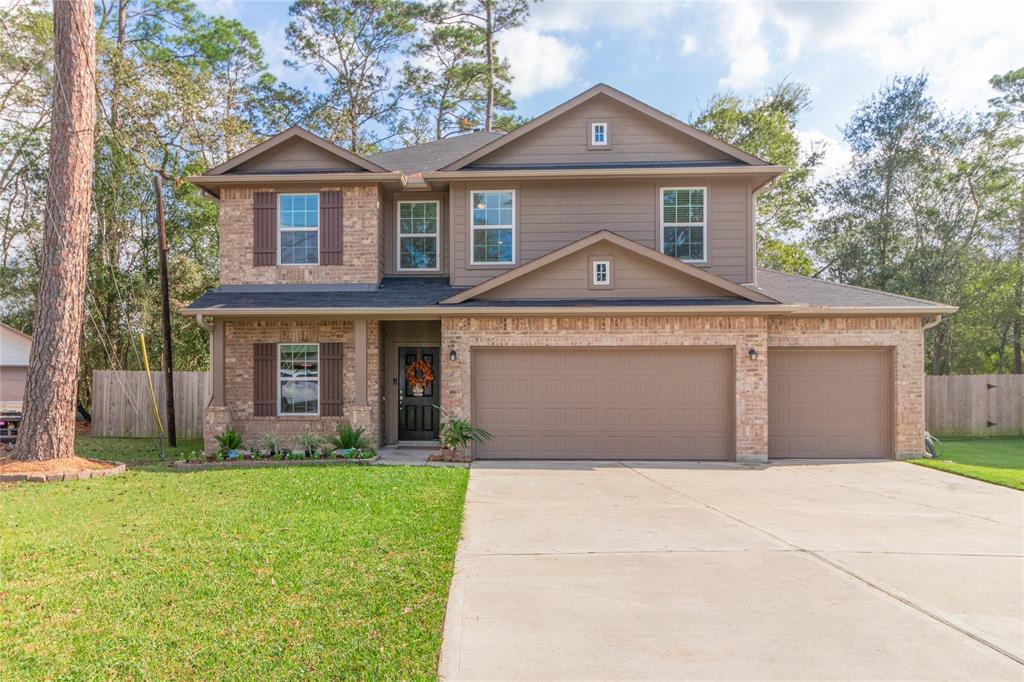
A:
{"x":418,"y":235}
{"x":493,"y":227}
{"x":298,"y":379}
{"x":601,"y":268}
{"x":298,"y":227}
{"x":684,"y":223}
{"x":598,"y":134}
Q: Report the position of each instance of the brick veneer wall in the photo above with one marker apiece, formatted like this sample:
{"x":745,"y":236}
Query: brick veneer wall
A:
{"x":903,"y":334}
{"x":237,"y":412}
{"x":360,"y":242}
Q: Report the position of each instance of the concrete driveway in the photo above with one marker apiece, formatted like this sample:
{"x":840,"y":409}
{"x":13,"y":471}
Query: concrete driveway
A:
{"x":594,"y":571}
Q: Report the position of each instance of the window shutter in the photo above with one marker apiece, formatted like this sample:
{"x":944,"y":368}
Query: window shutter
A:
{"x":330,"y":228}
{"x":332,"y":375}
{"x":264,"y":380}
{"x":264,"y":228}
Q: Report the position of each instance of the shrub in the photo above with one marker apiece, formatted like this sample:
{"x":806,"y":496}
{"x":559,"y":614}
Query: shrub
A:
{"x":310,"y":442}
{"x":271,"y":443}
{"x":349,"y":437}
{"x":458,"y":433}
{"x":228,"y":440}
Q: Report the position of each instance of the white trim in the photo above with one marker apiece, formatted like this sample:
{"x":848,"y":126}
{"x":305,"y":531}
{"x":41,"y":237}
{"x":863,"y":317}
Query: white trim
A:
{"x":399,"y":235}
{"x":277,"y":378}
{"x":473,"y":228}
{"x":607,"y":273}
{"x":604,"y":134}
{"x":281,"y":230}
{"x":662,"y":224}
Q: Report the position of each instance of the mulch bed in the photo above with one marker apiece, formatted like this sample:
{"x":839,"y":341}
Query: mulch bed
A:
{"x":68,"y":469}
{"x":260,"y":464}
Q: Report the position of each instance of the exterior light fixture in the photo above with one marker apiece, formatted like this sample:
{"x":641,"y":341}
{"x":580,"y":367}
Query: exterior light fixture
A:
{"x":752,"y":354}
{"x":451,"y":355}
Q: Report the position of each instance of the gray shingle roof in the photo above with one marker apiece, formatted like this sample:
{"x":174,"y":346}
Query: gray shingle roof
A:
{"x":393,"y":292}
{"x":818,"y":293}
{"x":430,"y":156}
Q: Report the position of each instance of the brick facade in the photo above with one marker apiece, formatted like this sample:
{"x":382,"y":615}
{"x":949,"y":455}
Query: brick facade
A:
{"x":902,"y":334}
{"x":361,"y":245}
{"x":237,"y":411}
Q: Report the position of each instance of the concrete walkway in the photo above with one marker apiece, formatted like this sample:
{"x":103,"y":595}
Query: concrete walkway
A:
{"x":604,"y":571}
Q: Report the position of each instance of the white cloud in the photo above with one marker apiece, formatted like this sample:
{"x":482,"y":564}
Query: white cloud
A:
{"x":539,"y":61}
{"x":959,"y":48}
{"x":688,"y":45}
{"x":745,"y":51}
{"x":581,"y":15}
{"x":837,"y":153}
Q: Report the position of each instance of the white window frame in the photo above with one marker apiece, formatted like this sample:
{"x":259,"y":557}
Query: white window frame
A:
{"x":473,"y":228}
{"x":280,"y":381}
{"x":662,"y":224}
{"x":593,"y":134}
{"x":607,"y":273}
{"x":281,"y":230}
{"x":399,"y":236}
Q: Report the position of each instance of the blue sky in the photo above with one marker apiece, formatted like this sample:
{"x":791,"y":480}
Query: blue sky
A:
{"x":674,"y":55}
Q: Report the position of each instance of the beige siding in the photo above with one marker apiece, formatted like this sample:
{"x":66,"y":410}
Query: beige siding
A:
{"x":553,"y":213}
{"x":296,"y":154}
{"x":634,"y":137}
{"x":12,"y":384}
{"x":389,"y":211}
{"x":632,"y":277}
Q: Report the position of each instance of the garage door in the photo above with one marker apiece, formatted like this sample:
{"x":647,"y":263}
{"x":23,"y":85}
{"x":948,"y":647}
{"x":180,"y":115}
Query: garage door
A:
{"x":829,"y":403}
{"x":604,"y":403}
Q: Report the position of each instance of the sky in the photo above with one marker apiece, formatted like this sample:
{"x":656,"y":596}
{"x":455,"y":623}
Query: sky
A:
{"x":674,"y":54}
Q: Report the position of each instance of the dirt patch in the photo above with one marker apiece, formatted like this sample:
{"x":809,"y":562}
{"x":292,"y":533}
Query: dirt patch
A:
{"x":75,"y":464}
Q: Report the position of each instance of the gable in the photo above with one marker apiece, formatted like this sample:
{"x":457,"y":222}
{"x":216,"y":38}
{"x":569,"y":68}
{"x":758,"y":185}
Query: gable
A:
{"x":645,"y":276}
{"x":634,"y":138}
{"x":14,"y":347}
{"x":295,"y":155}
{"x":632,"y":277}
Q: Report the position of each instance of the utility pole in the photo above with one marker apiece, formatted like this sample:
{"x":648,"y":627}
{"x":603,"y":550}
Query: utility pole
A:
{"x":172,"y":435}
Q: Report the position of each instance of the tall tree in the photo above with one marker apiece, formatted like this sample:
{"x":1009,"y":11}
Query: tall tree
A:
{"x":766,"y":127}
{"x":352,"y":43}
{"x":48,"y":430}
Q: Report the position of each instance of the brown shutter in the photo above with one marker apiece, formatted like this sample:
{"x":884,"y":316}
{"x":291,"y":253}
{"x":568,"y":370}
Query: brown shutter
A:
{"x":330,"y":228}
{"x":264,"y":383}
{"x":332,"y":374}
{"x":264,"y":228}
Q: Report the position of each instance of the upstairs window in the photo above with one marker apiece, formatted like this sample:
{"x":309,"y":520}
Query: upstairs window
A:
{"x":418,"y":235}
{"x":684,"y":223}
{"x":298,"y":372}
{"x":493,"y":227}
{"x":599,"y":134}
{"x":298,"y":227}
{"x":601,"y":275}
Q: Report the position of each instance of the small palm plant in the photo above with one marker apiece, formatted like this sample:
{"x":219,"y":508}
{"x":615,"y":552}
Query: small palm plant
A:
{"x":227,"y":441}
{"x":310,"y":442}
{"x":271,"y":443}
{"x":349,"y":437}
{"x":457,"y":434}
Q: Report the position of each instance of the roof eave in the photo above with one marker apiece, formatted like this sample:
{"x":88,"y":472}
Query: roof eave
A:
{"x":213,"y":183}
{"x":584,"y":173}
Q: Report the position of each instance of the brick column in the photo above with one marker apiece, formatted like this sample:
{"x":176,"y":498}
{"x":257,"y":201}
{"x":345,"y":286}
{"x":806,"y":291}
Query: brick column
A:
{"x":752,"y":397}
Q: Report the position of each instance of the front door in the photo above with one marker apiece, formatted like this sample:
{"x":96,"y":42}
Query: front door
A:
{"x":417,"y":407}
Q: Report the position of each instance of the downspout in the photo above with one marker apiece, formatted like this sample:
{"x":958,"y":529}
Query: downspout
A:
{"x":931,"y":323}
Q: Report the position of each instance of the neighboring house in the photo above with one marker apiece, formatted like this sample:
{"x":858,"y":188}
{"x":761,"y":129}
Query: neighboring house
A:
{"x":583,"y":287}
{"x":14,"y":351}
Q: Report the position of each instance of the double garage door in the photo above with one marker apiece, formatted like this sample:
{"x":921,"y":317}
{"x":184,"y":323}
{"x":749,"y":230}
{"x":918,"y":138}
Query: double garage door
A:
{"x":676,"y":403}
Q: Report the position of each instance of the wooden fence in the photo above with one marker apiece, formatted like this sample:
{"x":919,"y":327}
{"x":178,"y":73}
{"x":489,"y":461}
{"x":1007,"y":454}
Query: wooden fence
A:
{"x":975,"y":405}
{"x":121,"y":405}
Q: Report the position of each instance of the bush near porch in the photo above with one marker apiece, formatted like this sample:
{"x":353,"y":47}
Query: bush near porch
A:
{"x":259,"y":574}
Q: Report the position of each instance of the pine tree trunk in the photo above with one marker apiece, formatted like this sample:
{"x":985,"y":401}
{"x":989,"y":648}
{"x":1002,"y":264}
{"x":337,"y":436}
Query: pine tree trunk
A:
{"x":48,"y":426}
{"x":489,"y":35}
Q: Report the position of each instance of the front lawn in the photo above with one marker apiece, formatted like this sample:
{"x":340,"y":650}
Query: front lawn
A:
{"x":996,"y":460}
{"x":337,"y":572}
{"x":135,"y":452}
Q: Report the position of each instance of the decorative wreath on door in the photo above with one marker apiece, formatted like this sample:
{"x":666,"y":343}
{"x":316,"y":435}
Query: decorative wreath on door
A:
{"x":418,"y":374}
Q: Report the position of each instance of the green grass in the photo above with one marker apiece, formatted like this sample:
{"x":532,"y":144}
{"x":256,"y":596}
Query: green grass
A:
{"x":995,"y":460}
{"x":135,"y":452}
{"x":334,"y":572}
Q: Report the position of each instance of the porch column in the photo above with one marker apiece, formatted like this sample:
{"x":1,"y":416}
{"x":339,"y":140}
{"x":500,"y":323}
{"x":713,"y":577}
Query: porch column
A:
{"x":752,"y":396}
{"x":361,"y":370}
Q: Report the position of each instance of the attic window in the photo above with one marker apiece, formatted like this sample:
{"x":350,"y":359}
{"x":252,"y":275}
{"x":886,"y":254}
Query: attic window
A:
{"x":601,"y":273}
{"x":599,"y":134}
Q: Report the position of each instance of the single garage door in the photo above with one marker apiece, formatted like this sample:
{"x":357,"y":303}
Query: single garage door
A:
{"x":604,"y":403}
{"x":829,"y":403}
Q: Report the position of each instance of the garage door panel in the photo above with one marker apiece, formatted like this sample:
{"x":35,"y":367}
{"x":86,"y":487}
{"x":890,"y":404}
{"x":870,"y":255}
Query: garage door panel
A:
{"x":638,"y":403}
{"x":829,"y":403}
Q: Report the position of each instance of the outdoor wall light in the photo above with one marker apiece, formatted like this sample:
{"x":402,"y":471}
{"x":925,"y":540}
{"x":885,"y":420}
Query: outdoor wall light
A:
{"x":752,"y":353}
{"x":452,"y":355}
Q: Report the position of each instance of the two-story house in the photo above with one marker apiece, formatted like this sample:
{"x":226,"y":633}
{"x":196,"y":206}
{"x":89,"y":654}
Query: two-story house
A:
{"x":583,"y":287}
